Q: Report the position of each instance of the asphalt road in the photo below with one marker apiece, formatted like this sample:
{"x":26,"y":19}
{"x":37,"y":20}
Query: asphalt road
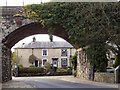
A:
{"x":54,"y":83}
{"x":57,"y":83}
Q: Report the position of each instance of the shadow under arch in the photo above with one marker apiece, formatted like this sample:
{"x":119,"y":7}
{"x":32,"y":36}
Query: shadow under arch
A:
{"x":32,"y":29}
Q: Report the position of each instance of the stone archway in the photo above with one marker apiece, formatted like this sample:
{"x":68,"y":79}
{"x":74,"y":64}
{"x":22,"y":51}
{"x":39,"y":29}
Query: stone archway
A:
{"x":31,"y":29}
{"x":12,"y":35}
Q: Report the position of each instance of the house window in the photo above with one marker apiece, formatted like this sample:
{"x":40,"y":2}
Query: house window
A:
{"x":44,"y":52}
{"x":63,"y":62}
{"x":64,"y":52}
{"x":44,"y":61}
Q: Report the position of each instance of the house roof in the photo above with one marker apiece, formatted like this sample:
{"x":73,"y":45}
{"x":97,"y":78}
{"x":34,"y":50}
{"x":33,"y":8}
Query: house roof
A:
{"x":43,"y":44}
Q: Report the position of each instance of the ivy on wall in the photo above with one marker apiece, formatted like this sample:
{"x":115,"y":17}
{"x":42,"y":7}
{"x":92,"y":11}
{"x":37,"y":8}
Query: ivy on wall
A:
{"x":87,"y":24}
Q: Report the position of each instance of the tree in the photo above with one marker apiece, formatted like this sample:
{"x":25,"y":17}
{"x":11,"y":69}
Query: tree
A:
{"x":32,"y":58}
{"x":87,"y":24}
{"x":73,"y":60}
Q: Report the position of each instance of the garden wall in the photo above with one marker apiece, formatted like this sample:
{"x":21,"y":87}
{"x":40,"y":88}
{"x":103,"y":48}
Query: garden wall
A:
{"x":85,"y":71}
{"x":104,"y":77}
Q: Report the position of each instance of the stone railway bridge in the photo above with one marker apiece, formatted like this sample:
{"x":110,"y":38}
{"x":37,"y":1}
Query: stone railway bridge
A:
{"x":10,"y":36}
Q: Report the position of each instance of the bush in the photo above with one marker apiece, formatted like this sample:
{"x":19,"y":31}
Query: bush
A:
{"x":61,"y":71}
{"x":40,"y":71}
{"x":31,"y":70}
{"x":32,"y":66}
{"x":116,"y":62}
{"x":73,"y":60}
{"x":47,"y":67}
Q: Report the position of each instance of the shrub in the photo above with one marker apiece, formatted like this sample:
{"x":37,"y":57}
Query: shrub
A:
{"x":47,"y":67}
{"x":73,"y":60}
{"x":61,"y":71}
{"x":116,"y":62}
{"x":32,"y":58}
{"x":32,"y":66}
{"x":31,"y":70}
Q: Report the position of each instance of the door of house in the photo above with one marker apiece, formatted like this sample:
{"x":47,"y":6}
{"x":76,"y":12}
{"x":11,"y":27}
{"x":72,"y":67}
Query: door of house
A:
{"x":55,"y":62}
{"x":36,"y":63}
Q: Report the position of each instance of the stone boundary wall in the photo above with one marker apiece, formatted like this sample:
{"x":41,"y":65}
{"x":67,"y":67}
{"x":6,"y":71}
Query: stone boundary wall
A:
{"x":104,"y":77}
{"x":85,"y":71}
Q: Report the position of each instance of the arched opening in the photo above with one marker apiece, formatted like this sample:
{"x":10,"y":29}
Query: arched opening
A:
{"x":31,"y":29}
{"x":19,"y":34}
{"x":39,"y":52}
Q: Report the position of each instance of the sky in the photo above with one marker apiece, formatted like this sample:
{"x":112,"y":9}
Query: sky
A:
{"x":20,"y":2}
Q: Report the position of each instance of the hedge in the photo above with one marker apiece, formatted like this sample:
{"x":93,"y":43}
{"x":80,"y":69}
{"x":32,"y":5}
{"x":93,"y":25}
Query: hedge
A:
{"x":31,"y":70}
{"x":40,"y":71}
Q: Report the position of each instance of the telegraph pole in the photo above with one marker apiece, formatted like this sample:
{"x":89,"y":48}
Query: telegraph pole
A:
{"x":6,"y":2}
{"x":41,"y":1}
{"x":23,"y":3}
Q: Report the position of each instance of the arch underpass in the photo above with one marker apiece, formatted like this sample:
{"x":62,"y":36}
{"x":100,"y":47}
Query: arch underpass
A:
{"x":30,"y":29}
{"x":9,"y":37}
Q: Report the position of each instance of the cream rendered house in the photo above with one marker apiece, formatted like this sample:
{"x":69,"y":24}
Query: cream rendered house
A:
{"x":56,"y":53}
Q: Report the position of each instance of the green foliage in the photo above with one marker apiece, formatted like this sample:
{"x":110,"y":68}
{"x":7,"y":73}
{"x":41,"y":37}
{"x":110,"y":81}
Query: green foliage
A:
{"x":73,"y":60}
{"x":117,"y":62}
{"x":47,"y":66}
{"x":31,"y":70}
{"x":87,"y":24}
{"x":96,"y":54}
{"x":61,"y":71}
{"x":32,"y":58}
{"x":32,"y":66}
{"x":84,"y":22}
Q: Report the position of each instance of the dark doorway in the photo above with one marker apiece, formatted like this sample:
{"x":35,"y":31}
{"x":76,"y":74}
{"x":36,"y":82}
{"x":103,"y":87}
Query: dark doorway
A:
{"x":36,"y":63}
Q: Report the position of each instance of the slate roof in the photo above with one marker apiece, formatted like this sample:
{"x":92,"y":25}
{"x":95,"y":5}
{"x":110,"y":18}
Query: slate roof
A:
{"x":47,"y":44}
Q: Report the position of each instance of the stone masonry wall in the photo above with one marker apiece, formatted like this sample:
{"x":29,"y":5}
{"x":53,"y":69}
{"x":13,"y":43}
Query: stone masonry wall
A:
{"x":0,"y":55}
{"x":6,"y":64}
{"x":83,"y":66}
{"x":105,"y":77}
{"x":85,"y":71}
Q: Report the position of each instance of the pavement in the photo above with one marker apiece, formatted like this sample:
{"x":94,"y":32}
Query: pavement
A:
{"x":18,"y":83}
{"x":78,"y":80}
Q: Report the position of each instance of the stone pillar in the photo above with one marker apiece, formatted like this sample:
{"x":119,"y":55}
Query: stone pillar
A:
{"x":6,"y":64}
{"x":83,"y":65}
{"x":0,"y":57}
